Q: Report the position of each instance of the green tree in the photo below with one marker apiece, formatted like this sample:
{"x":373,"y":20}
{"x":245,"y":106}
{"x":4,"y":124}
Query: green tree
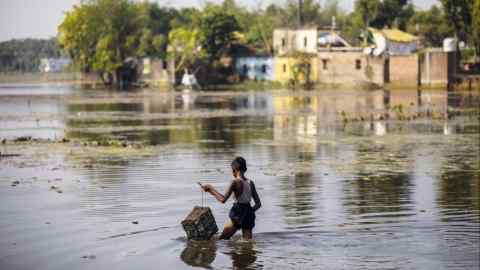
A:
{"x":460,"y":14}
{"x":304,"y":14}
{"x":185,"y":47}
{"x":99,"y":35}
{"x":24,"y":55}
{"x":393,"y":13}
{"x":366,"y":10}
{"x":476,"y":28}
{"x":431,"y":25}
{"x":217,"y":28}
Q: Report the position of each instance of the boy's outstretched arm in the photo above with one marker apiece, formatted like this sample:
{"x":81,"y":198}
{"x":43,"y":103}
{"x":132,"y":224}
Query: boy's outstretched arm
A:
{"x":221,"y":198}
{"x":256,"y":198}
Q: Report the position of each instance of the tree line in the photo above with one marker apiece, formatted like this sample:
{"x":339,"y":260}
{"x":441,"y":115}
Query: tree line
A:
{"x":23,"y":55}
{"x":101,"y":35}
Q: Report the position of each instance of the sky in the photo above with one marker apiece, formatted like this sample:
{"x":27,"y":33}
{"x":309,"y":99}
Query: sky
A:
{"x":40,"y":18}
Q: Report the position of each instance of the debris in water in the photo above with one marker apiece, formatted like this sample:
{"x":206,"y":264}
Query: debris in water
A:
{"x":90,"y":257}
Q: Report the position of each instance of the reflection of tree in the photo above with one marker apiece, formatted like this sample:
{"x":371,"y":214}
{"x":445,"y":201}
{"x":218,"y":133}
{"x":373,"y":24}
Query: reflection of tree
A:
{"x":460,"y":183}
{"x":299,"y":189}
{"x":199,"y":253}
{"x":371,"y":193}
{"x":382,"y":182}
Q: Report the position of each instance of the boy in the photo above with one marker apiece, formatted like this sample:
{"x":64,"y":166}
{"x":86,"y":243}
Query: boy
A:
{"x":242,"y":214}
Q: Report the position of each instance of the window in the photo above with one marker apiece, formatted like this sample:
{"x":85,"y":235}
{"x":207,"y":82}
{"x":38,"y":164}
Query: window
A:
{"x":284,"y":68}
{"x":325,"y":62}
{"x":264,"y":68}
{"x":283,"y":43}
{"x":305,"y":42}
{"x":358,"y":64}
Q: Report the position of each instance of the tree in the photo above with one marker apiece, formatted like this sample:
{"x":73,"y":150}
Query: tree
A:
{"x":431,"y":25}
{"x":304,"y":14}
{"x":217,"y":28}
{"x":185,"y":47}
{"x":393,"y":13}
{"x":366,"y":10}
{"x":476,"y":28}
{"x":99,"y":35}
{"x":24,"y":55}
{"x":461,"y":13}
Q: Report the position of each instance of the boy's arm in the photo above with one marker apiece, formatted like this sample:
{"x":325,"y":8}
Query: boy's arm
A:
{"x":221,"y":198}
{"x":256,"y":198}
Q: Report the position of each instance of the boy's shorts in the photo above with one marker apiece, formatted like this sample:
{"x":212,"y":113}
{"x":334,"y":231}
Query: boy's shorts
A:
{"x":242,"y":216}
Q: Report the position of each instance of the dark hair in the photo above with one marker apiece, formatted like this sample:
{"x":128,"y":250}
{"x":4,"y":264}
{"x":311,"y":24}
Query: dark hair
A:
{"x":239,"y":163}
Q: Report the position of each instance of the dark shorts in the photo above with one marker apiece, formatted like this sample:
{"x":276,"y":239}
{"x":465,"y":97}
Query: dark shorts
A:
{"x":242,"y":216}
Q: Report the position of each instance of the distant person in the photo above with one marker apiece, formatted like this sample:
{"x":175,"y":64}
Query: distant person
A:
{"x":242,"y":214}
{"x":186,"y":80}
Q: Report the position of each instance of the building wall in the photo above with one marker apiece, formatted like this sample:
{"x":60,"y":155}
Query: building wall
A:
{"x":283,"y":68}
{"x":157,"y":71}
{"x":404,"y":69}
{"x":435,"y":67}
{"x":255,"y":68}
{"x":306,"y":40}
{"x":350,"y":68}
{"x":290,"y":40}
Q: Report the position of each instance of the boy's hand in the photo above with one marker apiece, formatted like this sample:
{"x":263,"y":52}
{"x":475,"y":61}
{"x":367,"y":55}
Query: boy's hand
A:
{"x":207,"y":187}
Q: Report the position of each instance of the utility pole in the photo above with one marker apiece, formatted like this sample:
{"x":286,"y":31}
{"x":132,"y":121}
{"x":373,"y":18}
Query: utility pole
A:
{"x":300,"y":13}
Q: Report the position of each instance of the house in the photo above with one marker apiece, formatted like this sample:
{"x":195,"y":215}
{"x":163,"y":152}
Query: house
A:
{"x":350,"y":66}
{"x":53,"y":65}
{"x":258,"y":68}
{"x":287,"y":67}
{"x":393,"y":41}
{"x":305,"y":39}
{"x":330,"y":57}
{"x":157,"y":72}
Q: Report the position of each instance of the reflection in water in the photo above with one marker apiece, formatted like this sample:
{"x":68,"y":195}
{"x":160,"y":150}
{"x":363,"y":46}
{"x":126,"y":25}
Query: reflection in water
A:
{"x":199,"y":253}
{"x":369,"y":194}
{"x":243,"y":254}
{"x":381,"y":183}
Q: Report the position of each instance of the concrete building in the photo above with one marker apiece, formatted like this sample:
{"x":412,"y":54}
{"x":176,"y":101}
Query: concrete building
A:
{"x":157,"y":72}
{"x":436,"y":67}
{"x":49,"y":65}
{"x":350,"y":66}
{"x":305,"y":39}
{"x":286,"y":69}
{"x":255,"y":68}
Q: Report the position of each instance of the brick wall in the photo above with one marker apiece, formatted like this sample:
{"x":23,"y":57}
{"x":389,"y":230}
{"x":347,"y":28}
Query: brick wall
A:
{"x":434,"y":68}
{"x":350,"y":68}
{"x":404,"y":69}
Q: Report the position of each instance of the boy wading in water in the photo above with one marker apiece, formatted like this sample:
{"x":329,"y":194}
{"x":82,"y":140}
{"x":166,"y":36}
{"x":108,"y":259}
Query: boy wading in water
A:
{"x":242,"y":214}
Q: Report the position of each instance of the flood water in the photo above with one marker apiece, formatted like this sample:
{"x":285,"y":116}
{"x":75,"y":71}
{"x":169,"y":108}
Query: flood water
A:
{"x":349,"y":179}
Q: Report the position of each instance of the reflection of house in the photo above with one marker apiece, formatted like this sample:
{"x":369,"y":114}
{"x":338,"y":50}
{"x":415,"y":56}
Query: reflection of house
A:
{"x":53,"y":64}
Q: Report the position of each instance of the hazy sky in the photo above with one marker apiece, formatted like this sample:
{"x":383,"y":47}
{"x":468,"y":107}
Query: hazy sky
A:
{"x":39,"y":18}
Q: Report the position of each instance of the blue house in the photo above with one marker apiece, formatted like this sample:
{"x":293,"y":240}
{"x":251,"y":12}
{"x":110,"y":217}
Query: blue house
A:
{"x":259,"y":68}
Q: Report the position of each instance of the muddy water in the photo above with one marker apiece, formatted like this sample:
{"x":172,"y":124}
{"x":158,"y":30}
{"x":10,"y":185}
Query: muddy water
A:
{"x":348,"y":179}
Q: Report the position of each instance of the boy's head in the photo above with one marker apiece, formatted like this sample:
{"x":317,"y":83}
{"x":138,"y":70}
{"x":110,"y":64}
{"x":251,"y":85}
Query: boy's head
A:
{"x":239,"y":165}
